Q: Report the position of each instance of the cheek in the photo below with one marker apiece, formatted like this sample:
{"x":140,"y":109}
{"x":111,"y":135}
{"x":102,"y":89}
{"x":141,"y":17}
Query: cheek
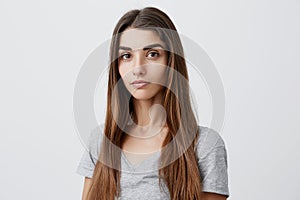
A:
{"x":123,"y":70}
{"x":158,"y":72}
{"x":120,"y":68}
{"x":125,"y":76}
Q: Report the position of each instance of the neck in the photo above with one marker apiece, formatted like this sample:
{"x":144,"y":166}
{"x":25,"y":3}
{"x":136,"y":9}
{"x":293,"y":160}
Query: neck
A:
{"x":149,"y":112}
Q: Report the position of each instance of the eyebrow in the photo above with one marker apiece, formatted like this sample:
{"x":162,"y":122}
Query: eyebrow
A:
{"x":145,"y":48}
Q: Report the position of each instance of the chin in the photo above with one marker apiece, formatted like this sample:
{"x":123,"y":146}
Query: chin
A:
{"x":141,"y":97}
{"x":145,"y":94}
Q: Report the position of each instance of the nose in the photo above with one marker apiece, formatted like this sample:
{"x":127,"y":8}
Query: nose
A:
{"x":138,"y":65}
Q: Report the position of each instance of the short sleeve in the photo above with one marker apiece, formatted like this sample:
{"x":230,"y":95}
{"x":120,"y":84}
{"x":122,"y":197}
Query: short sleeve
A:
{"x":90,"y":155}
{"x":212,"y":161}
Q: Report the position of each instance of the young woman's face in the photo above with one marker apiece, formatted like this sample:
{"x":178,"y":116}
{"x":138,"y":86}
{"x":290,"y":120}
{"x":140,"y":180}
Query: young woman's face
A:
{"x":142,"y":58}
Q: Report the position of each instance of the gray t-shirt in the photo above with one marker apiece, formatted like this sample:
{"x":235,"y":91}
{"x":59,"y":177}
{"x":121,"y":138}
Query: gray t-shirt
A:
{"x":141,"y":181}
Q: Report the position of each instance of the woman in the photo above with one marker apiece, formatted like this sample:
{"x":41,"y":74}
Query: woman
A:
{"x":149,"y":110}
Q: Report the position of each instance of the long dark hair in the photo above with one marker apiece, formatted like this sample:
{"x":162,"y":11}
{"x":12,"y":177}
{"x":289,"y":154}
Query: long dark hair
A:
{"x":182,"y":176}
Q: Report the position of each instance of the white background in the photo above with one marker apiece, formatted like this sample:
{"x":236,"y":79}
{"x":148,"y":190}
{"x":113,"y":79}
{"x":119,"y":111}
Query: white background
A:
{"x":254,"y":45}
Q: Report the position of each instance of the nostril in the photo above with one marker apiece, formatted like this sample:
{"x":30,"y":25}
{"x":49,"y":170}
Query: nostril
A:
{"x":139,"y":70}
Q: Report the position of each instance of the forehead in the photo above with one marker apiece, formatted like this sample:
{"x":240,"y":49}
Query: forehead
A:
{"x":138,"y":38}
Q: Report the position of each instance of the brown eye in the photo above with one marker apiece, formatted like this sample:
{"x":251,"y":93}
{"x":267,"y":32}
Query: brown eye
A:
{"x":125,"y":56}
{"x":153,"y":54}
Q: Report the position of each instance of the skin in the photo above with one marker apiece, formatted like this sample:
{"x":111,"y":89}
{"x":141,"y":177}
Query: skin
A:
{"x":140,"y":59}
{"x":86,"y":187}
{"x":142,"y":56}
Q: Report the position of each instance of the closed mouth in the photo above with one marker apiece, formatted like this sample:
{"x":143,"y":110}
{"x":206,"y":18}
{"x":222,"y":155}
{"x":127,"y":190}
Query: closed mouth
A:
{"x":139,"y":84}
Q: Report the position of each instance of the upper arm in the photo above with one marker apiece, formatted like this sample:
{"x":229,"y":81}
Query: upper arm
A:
{"x":212,"y":161}
{"x":89,"y":159}
{"x":90,"y":155}
{"x":212,"y":196}
{"x":86,"y":187}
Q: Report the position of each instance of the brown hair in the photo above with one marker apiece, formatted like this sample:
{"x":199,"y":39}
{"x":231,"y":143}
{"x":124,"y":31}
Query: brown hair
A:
{"x":182,"y":176}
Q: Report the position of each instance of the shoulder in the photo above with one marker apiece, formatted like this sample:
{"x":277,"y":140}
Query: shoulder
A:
{"x":96,"y":133}
{"x":208,"y":140}
{"x":90,"y":155}
{"x":212,"y":160}
{"x":95,"y":140}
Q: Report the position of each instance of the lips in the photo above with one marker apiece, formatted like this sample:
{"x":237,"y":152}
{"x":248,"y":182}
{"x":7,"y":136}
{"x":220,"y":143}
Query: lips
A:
{"x":139,"y":83}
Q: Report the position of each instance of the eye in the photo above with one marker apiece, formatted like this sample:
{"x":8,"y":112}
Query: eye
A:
{"x":125,"y":56}
{"x":153,"y":54}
